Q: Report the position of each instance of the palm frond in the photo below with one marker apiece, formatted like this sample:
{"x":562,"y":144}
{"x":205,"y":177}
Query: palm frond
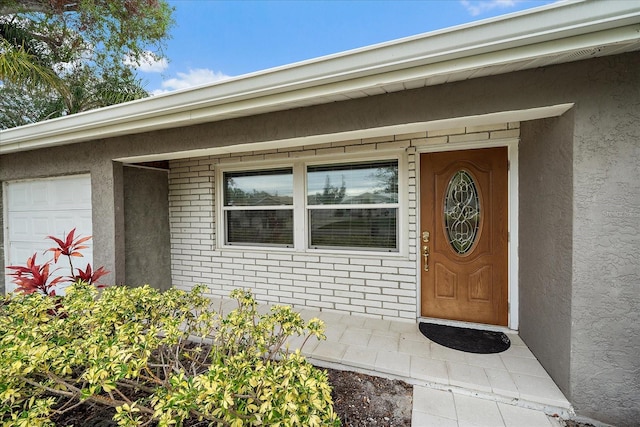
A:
{"x":20,"y":67}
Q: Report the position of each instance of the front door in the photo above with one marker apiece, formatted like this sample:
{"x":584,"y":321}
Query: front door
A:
{"x":464,"y":235}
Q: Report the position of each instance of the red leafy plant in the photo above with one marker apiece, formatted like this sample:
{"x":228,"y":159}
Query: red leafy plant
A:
{"x":37,"y":277}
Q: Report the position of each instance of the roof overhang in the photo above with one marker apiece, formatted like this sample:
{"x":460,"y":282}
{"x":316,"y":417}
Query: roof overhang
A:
{"x":558,"y":33}
{"x":450,"y":123}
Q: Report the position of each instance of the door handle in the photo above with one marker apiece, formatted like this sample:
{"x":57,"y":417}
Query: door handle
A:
{"x":425,"y":255}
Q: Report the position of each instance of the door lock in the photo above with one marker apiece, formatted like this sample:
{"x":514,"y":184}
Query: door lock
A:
{"x":425,"y":249}
{"x":425,"y":254}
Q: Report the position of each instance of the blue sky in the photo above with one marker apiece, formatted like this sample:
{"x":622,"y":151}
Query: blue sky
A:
{"x":213,"y":40}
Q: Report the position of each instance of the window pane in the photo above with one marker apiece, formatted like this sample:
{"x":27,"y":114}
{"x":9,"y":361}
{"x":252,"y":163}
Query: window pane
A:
{"x":353,"y":228}
{"x":360,"y":183}
{"x":257,"y":227}
{"x":259,"y":188}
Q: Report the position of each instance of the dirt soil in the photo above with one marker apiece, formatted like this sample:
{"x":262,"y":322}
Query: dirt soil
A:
{"x":571,"y":423}
{"x":362,"y":400}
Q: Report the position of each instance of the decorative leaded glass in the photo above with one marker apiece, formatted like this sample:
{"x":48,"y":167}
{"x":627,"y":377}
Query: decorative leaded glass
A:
{"x":461,"y":212}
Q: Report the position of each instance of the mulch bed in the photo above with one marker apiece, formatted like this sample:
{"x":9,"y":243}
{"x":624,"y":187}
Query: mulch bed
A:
{"x":359,"y":400}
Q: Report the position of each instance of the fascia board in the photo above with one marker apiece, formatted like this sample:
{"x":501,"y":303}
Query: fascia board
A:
{"x":243,"y":107}
{"x":443,"y":47}
{"x":454,"y":65}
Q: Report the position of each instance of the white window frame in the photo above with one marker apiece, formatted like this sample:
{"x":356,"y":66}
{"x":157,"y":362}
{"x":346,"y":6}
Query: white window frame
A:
{"x":309,"y":208}
{"x":225,"y":209}
{"x":300,"y":216}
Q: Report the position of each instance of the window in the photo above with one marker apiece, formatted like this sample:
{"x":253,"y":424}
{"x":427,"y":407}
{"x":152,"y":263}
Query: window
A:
{"x":353,"y":205}
{"x":345,"y":206}
{"x":258,"y":207}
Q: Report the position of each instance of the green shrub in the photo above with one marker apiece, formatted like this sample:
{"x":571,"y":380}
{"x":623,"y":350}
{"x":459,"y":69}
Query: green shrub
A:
{"x":157,"y":357}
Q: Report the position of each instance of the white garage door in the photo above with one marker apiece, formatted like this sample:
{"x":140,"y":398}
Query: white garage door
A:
{"x":46,"y":207}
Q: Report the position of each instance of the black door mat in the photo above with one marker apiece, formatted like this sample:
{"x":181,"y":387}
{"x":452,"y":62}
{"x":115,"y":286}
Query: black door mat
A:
{"x":464,"y":339}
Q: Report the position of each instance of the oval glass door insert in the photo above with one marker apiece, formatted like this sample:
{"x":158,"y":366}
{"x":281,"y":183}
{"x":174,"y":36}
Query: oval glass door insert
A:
{"x":461,"y":212}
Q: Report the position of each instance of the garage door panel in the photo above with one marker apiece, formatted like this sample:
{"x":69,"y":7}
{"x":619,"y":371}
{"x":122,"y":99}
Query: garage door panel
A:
{"x":60,"y":193}
{"x":85,"y":224}
{"x":40,"y":225}
{"x":39,"y":197}
{"x":19,"y":227}
{"x":73,"y":195}
{"x":36,"y":226}
{"x":48,"y":207}
{"x":63,"y":223}
{"x":64,"y":199}
{"x":22,"y":251}
{"x":28,"y":226}
{"x":18,"y":193}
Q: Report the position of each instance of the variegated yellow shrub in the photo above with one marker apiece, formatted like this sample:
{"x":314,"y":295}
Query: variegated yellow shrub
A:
{"x":188,"y":360}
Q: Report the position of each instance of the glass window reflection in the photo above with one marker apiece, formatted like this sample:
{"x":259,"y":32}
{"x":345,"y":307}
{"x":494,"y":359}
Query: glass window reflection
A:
{"x":353,"y":184}
{"x":259,"y":188}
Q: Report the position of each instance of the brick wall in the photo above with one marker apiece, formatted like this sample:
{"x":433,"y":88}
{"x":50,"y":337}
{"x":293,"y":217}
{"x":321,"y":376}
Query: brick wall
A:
{"x":383,"y":286}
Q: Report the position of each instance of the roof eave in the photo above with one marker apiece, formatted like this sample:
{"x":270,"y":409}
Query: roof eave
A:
{"x":571,"y":25}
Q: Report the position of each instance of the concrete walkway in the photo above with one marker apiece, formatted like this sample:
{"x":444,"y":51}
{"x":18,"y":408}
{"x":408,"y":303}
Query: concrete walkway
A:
{"x":451,"y":388}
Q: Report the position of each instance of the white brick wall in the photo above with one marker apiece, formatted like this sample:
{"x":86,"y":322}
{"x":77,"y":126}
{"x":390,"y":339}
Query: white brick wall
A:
{"x":382,"y":286}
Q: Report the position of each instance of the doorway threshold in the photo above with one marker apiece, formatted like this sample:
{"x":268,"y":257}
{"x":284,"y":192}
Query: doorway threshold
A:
{"x":469,"y":325}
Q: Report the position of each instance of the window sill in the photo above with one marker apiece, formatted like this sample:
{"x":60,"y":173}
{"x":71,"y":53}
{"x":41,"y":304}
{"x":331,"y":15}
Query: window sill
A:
{"x":320,"y":252}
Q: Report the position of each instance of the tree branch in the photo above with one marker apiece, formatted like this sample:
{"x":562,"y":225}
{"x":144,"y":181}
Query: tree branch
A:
{"x":48,"y":389}
{"x":43,"y":6}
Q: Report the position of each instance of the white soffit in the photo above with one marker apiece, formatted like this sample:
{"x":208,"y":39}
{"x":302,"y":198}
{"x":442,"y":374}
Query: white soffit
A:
{"x":562,"y":32}
{"x":451,"y":123}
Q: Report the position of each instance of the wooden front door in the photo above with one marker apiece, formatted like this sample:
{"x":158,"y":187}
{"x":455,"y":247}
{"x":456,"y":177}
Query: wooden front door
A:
{"x":464,"y":235}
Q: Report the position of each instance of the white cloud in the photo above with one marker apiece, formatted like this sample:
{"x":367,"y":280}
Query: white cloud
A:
{"x":149,"y":63}
{"x":196,"y":77}
{"x":155,"y":66}
{"x":477,"y":7}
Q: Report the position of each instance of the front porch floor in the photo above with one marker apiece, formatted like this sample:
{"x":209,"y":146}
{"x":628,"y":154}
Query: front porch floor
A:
{"x":451,"y":388}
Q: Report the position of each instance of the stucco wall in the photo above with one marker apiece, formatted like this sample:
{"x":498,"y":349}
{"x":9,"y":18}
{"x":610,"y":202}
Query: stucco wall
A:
{"x":605,"y":361}
{"x":546,"y":242}
{"x":603,"y":382}
{"x":146,"y":225}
